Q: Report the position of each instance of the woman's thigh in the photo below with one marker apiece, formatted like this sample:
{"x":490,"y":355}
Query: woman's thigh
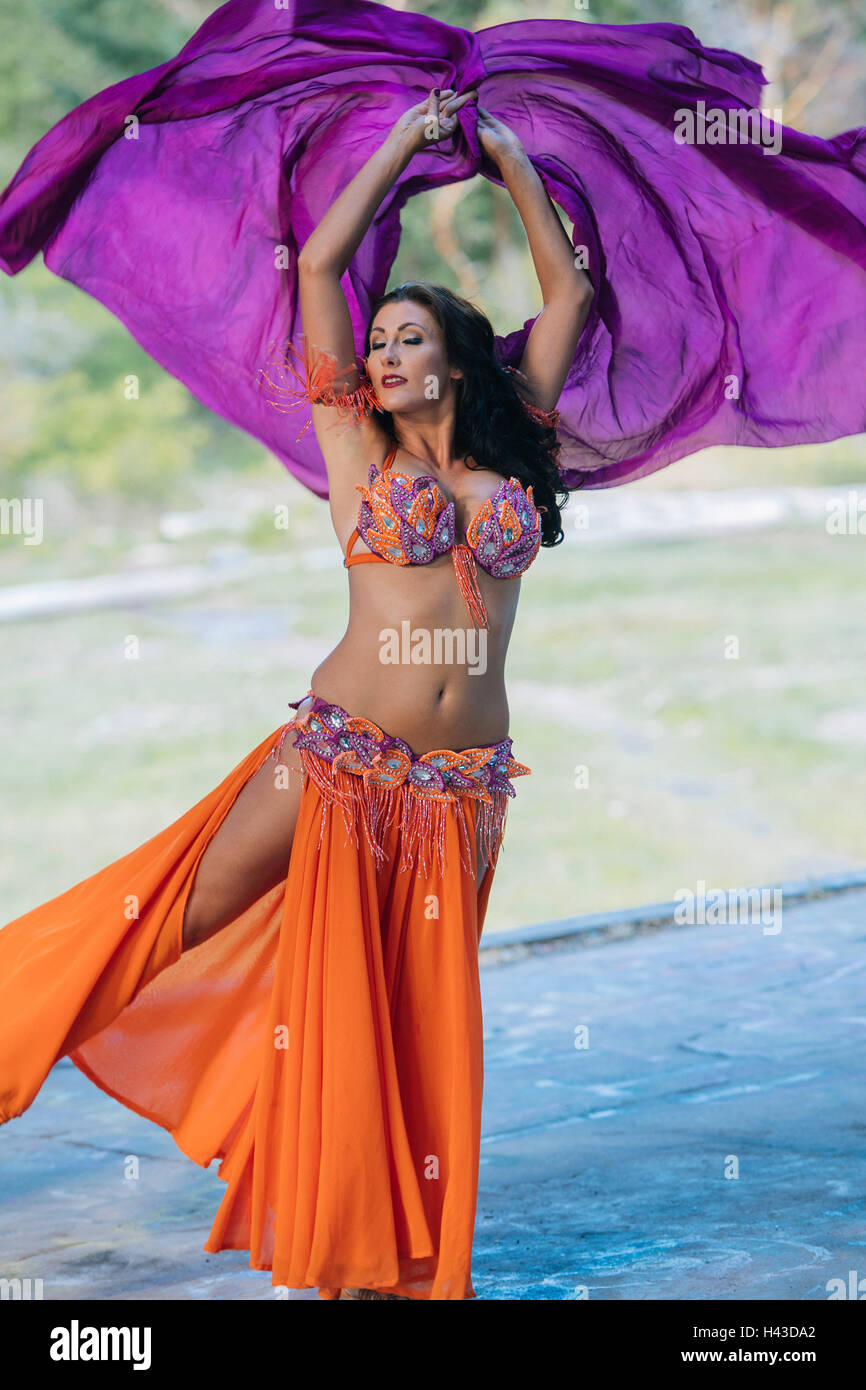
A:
{"x":250,"y":851}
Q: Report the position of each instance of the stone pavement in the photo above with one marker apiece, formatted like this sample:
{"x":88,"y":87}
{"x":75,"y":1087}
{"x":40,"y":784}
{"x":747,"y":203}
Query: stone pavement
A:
{"x":705,"y":1139}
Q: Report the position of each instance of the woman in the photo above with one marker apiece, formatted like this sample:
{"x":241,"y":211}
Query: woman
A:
{"x":287,"y":977}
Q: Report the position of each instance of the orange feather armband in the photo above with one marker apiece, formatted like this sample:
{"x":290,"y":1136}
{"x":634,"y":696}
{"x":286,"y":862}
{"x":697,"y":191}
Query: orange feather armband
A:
{"x":286,"y":388}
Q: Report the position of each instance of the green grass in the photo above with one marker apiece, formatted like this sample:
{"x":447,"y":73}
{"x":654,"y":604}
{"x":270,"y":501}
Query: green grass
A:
{"x":700,"y":767}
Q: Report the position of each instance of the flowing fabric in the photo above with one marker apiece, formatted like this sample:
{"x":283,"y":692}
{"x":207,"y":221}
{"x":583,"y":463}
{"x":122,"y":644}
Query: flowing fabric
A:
{"x":730,"y":279}
{"x":326,"y":1045}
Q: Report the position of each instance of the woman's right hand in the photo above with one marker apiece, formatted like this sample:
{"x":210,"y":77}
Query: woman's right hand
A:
{"x":431,"y":121}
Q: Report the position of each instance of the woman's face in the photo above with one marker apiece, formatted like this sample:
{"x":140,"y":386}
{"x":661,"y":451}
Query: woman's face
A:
{"x":407,"y":363}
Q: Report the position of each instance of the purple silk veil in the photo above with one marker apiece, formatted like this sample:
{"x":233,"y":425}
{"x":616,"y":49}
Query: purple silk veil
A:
{"x":730,"y":281}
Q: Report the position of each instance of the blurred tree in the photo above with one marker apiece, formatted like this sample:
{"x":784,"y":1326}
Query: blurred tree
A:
{"x":812,"y":55}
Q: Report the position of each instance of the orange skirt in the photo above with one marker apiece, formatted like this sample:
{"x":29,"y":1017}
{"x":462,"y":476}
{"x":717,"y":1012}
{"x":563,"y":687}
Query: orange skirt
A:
{"x":326,"y":1045}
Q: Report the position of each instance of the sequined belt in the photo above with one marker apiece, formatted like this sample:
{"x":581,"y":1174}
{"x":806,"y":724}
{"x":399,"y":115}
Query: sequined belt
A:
{"x":355,"y":744}
{"x":380,"y":784}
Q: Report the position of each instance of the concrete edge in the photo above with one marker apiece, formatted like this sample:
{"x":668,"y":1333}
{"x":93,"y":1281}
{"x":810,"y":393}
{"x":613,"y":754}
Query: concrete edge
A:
{"x":618,"y":924}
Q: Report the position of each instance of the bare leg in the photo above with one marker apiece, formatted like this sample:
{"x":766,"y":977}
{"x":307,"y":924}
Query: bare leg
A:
{"x":481,"y":860}
{"x":250,"y":851}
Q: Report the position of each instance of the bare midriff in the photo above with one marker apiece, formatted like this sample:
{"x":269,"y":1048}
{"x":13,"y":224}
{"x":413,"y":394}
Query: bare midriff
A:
{"x":413,"y":662}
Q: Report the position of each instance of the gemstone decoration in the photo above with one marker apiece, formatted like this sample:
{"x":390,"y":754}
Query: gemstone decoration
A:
{"x":403,"y":519}
{"x":354,"y":744}
{"x":408,"y":521}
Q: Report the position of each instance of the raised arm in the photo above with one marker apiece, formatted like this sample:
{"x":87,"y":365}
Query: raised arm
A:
{"x":349,"y":446}
{"x":565,"y":289}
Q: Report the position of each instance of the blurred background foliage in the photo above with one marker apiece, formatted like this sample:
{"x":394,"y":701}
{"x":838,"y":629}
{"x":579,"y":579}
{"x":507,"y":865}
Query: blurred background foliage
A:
{"x":63,"y":359}
{"x":739,"y":771}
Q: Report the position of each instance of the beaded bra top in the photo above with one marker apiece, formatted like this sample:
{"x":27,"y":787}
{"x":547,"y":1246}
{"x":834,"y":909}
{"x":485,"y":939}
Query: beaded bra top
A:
{"x":407,"y":520}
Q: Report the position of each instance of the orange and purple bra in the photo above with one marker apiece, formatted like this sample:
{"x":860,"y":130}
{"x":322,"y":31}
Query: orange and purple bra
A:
{"x":406,"y":520}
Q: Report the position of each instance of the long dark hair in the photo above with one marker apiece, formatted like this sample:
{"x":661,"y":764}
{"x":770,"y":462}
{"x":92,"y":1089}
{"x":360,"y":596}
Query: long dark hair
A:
{"x":493,"y":424}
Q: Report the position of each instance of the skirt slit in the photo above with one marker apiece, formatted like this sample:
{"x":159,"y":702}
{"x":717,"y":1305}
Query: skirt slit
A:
{"x":325,"y":1046}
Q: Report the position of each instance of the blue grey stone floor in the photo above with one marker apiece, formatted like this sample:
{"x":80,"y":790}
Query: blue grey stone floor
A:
{"x":703,"y":1140}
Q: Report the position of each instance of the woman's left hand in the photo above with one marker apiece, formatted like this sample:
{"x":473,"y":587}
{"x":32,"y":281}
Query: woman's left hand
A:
{"x":496,"y":138}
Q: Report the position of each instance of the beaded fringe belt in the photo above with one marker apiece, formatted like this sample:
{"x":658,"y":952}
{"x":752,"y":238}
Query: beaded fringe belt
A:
{"x":378,"y":779}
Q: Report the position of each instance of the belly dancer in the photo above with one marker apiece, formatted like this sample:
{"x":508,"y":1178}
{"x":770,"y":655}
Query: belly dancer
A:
{"x":287,"y":977}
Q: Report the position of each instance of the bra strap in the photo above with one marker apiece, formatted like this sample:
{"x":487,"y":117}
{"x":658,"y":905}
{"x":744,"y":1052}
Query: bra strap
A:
{"x":360,"y":559}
